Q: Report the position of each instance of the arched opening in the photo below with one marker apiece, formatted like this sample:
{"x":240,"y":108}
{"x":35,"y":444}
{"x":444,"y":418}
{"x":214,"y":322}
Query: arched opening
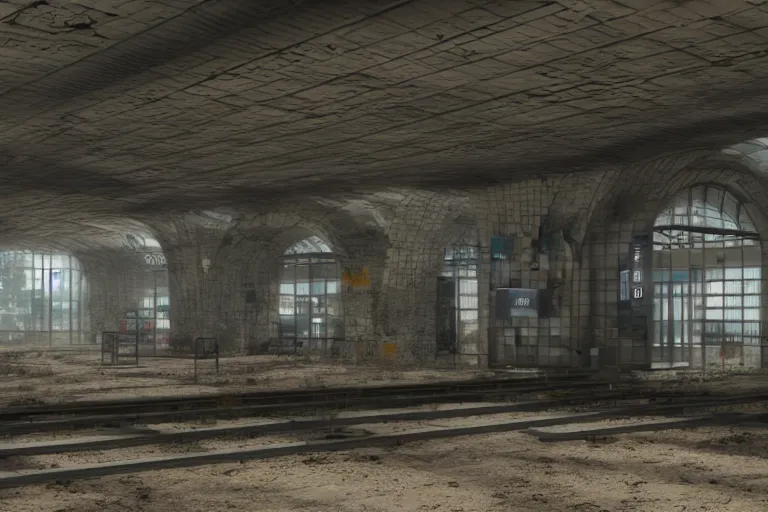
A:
{"x":706,"y":267}
{"x":140,"y":278}
{"x":42,"y":299}
{"x":154,"y":303}
{"x":457,"y":299}
{"x":310,"y":313}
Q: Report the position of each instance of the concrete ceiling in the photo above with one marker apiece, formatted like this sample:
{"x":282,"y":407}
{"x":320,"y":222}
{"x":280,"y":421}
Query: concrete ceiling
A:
{"x":113,"y":108}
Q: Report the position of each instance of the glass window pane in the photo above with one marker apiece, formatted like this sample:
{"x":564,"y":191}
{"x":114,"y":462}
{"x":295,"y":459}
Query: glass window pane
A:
{"x":287,"y":305}
{"x":752,"y":314}
{"x":302,"y":272}
{"x":470,"y":315}
{"x":468,"y":286}
{"x":752,"y":329}
{"x":332,"y":287}
{"x":302,"y":305}
{"x":751,"y":301}
{"x":714,"y":314}
{"x":318,"y":288}
{"x":289,"y":274}
{"x":467,"y":302}
{"x":715,"y":273}
{"x":733,"y":314}
{"x":733,"y":273}
{"x":715,"y":288}
{"x":287,"y":288}
{"x":733,"y":287}
{"x":752,"y":273}
{"x":732,"y":302}
{"x":302,"y":288}
{"x":287,"y":325}
{"x":325,"y":271}
{"x":752,"y":287}
{"x":715,"y":302}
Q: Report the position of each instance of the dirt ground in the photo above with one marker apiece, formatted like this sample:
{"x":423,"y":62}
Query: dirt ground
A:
{"x":37,"y":376}
{"x":27,"y":377}
{"x":706,"y":470}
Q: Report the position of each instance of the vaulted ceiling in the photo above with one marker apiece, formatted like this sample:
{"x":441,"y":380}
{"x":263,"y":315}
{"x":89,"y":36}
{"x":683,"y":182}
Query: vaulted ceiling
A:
{"x":113,"y":109}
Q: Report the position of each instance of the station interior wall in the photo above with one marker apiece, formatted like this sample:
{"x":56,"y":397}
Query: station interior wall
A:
{"x":570,"y":234}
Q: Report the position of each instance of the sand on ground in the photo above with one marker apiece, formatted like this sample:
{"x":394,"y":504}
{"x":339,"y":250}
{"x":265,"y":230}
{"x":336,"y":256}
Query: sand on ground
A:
{"x":38,"y":376}
{"x":706,"y":469}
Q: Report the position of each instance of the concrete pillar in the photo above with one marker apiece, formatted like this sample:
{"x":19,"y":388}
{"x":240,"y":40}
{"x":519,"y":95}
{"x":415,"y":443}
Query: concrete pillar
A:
{"x":200,"y":281}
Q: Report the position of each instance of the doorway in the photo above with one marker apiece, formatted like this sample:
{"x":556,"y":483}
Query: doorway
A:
{"x":457,"y":301}
{"x":446,"y":315}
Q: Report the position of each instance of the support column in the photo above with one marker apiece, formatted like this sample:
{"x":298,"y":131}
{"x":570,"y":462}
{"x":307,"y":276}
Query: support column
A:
{"x":186,"y":282}
{"x":203,"y":296}
{"x":361,"y":277}
{"x":406,"y":307}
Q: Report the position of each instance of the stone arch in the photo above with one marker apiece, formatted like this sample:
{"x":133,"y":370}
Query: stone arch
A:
{"x":310,"y":315}
{"x":253,"y":259}
{"x":423,"y":224}
{"x":695,"y":266}
{"x":638,"y":198}
{"x":130,"y":285}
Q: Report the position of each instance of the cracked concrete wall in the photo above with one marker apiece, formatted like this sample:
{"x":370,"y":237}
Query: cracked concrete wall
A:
{"x":417,"y":236}
{"x":553,"y":210}
{"x":404,"y":253}
{"x":246,"y":256}
{"x":589,"y":219}
{"x":430,"y":92}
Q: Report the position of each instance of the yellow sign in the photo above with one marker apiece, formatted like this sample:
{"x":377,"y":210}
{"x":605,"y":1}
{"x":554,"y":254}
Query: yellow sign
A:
{"x":359,"y":278}
{"x":388,"y":351}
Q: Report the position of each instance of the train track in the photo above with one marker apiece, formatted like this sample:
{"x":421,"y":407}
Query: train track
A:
{"x":675,"y":406}
{"x":154,"y":410}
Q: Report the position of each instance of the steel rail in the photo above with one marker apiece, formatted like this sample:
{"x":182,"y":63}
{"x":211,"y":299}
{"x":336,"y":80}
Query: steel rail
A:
{"x":279,"y":396}
{"x":368,"y":417}
{"x":717,"y":419}
{"x":280,"y":426}
{"x":333,"y":403}
{"x":29,"y":477}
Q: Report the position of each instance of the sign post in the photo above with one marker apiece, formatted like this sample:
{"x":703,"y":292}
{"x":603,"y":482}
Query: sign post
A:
{"x":516,"y":302}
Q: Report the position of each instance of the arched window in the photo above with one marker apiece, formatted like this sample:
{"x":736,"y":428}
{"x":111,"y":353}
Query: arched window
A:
{"x":457,"y":299}
{"x":704,"y":216}
{"x":707,"y":267}
{"x":42,"y":298}
{"x":310,"y":295}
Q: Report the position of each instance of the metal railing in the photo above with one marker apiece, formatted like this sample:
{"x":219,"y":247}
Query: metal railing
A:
{"x":119,"y":349}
